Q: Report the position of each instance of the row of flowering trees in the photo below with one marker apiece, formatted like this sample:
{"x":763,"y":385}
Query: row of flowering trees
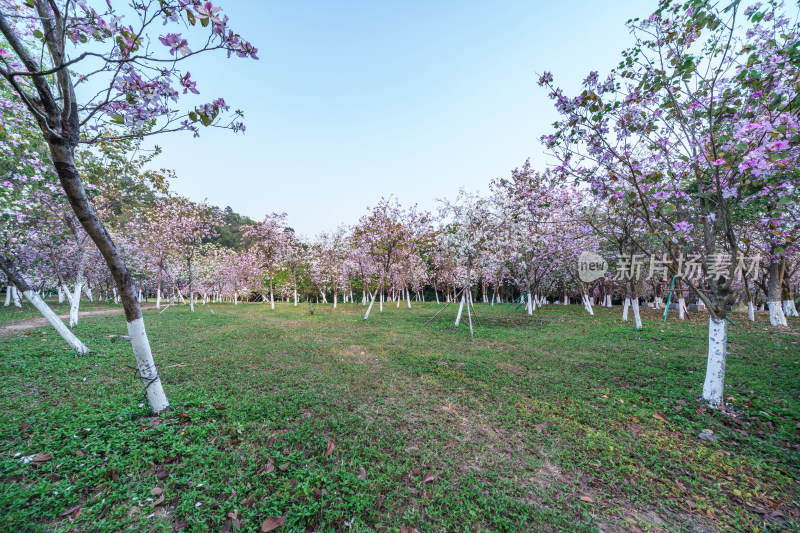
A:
{"x":522,"y":242}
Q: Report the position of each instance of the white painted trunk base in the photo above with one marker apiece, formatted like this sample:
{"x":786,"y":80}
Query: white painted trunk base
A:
{"x":636,"y":315}
{"x":56,"y":322}
{"x":750,"y":312}
{"x":147,"y":367}
{"x":776,"y":316}
{"x":789,"y":308}
{"x":8,"y":295}
{"x":714,"y":385}
{"x":460,"y":309}
{"x":681,"y":309}
{"x":469,"y":315}
{"x":371,"y":302}
{"x":15,"y":295}
{"x":587,"y":304}
{"x":74,"y":306}
{"x":625,"y":306}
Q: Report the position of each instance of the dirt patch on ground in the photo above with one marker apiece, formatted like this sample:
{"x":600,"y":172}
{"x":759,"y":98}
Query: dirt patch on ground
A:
{"x":9,"y":330}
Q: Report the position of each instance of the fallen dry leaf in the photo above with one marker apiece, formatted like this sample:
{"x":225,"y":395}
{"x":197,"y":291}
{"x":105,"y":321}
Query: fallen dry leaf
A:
{"x":24,"y":425}
{"x":284,"y":466}
{"x":156,"y":491}
{"x":587,"y":499}
{"x":362,"y":473}
{"x":69,"y":511}
{"x":247,"y":502}
{"x":415,"y":472}
{"x":158,"y":501}
{"x":658,"y":416}
{"x":42,"y":457}
{"x":272,"y":522}
{"x":429,"y":478}
{"x":235,"y":517}
{"x":329,"y":448}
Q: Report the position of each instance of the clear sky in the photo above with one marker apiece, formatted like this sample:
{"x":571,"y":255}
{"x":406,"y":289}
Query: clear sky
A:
{"x":355,"y":100}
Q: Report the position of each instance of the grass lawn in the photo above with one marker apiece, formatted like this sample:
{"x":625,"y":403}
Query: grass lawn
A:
{"x":556,"y":422}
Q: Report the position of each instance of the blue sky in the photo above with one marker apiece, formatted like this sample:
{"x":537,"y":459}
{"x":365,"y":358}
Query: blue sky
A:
{"x":352,"y":101}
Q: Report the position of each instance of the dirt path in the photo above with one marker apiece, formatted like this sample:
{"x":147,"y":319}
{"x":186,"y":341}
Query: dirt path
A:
{"x":9,"y":330}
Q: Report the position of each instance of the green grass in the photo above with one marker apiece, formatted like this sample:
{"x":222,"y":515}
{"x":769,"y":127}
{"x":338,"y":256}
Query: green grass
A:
{"x":538,"y":424}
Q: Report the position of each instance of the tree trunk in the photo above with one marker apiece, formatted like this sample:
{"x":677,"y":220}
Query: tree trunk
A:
{"x":17,"y":279}
{"x":469,"y":315}
{"x":191,"y":287}
{"x":158,"y":289}
{"x":63,"y":159}
{"x":17,"y":299}
{"x":460,"y":309}
{"x":776,"y":315}
{"x":714,"y":385}
{"x":87,"y":290}
{"x":271,"y":291}
{"x":789,"y":309}
{"x":75,"y":302}
{"x":372,"y":301}
{"x":636,"y":315}
{"x":587,"y":303}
